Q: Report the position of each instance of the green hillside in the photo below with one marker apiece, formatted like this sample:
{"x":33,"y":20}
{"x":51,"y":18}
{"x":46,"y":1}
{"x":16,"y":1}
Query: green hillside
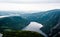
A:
{"x":13,"y":22}
{"x":19,"y":33}
{"x":47,"y":18}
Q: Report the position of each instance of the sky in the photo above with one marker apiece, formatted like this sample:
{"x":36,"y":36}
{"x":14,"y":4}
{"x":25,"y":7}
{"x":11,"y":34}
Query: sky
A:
{"x":32,"y":1}
{"x":29,"y":5}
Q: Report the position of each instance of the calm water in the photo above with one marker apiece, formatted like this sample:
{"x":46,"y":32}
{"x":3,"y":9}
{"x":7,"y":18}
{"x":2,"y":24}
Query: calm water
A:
{"x":34,"y":26}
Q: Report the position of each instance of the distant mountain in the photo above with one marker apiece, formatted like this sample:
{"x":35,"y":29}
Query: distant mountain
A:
{"x":13,"y":22}
{"x":2,"y":13}
{"x":47,"y":18}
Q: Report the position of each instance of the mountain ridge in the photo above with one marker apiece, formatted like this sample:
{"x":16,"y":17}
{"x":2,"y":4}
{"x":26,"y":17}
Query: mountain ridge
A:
{"x":48,"y":19}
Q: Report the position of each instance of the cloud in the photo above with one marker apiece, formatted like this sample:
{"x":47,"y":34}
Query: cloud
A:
{"x":28,"y":7}
{"x":31,"y":1}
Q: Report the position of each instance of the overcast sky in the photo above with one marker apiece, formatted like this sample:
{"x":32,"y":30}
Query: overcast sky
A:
{"x":31,"y":1}
{"x":29,"y":5}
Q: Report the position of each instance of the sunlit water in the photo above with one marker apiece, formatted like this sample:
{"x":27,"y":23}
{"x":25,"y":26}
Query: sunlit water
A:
{"x":34,"y":26}
{"x":1,"y":35}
